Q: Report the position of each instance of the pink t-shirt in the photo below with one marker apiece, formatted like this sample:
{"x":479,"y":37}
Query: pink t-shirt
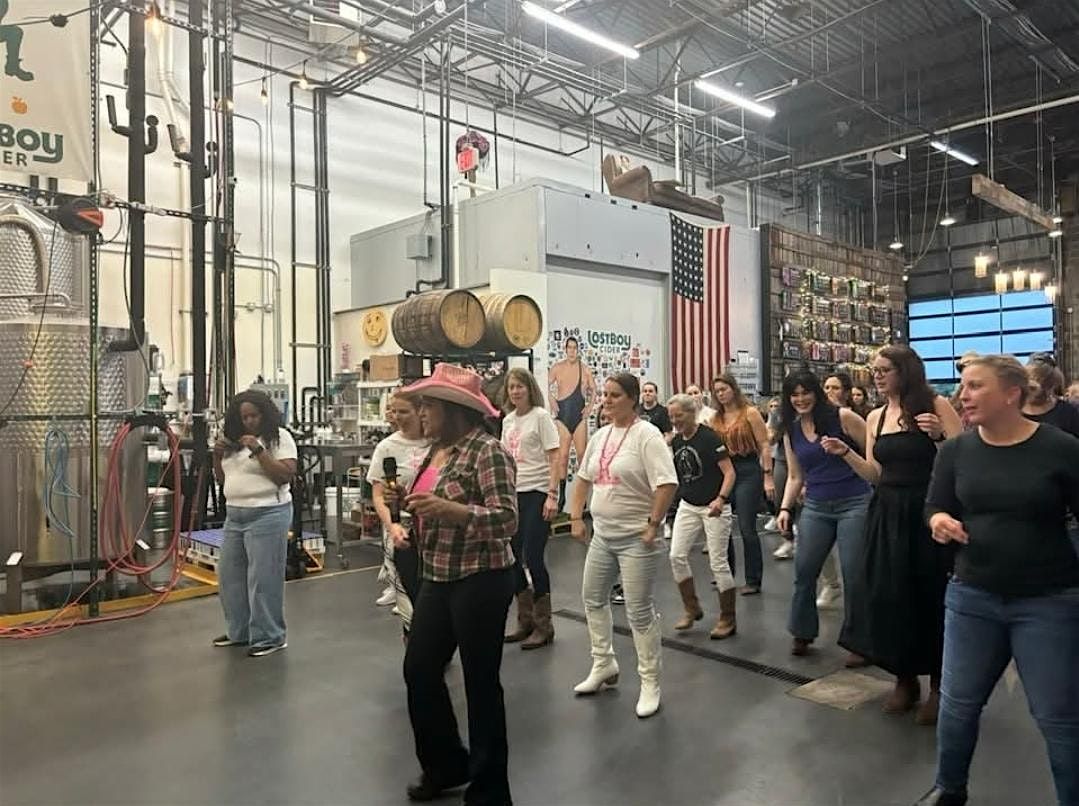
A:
{"x":425,"y":483}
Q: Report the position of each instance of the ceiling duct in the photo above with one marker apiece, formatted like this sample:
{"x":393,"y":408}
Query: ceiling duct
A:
{"x":321,"y":30}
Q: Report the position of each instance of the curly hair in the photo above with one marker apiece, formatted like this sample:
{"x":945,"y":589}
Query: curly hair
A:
{"x":270,"y":422}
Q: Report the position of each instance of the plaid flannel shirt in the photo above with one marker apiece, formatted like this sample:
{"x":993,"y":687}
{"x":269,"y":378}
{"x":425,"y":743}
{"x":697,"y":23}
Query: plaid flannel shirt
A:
{"x":482,"y":475}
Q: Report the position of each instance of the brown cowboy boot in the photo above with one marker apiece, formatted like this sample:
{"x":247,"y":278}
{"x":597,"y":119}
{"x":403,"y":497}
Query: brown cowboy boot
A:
{"x":927,"y":712}
{"x":727,"y":625}
{"x":904,"y":696}
{"x":691,"y":603}
{"x":542,"y":628}
{"x":524,"y":618}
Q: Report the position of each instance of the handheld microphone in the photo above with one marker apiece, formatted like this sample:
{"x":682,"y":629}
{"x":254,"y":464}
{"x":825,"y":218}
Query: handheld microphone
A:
{"x":389,"y":471}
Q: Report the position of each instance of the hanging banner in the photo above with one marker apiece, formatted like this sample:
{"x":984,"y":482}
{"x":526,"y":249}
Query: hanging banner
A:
{"x":587,"y":343}
{"x":45,"y":88}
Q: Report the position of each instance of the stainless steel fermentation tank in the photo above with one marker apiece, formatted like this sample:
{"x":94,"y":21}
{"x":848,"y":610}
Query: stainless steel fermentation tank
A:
{"x":37,"y":256}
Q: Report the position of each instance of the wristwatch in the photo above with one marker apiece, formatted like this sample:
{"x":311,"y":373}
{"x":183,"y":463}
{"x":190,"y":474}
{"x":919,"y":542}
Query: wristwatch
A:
{"x":654,"y":523}
{"x":257,"y":449}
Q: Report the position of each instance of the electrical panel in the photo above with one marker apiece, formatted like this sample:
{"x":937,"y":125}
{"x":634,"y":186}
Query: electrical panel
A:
{"x":277,"y":392}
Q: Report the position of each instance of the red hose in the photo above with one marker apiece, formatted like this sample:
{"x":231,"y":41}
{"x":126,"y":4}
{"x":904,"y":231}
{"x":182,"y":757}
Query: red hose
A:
{"x":118,"y":545}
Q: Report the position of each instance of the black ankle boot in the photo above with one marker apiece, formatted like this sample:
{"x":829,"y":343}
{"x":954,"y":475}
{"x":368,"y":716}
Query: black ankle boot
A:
{"x":938,"y":797}
{"x":424,"y":789}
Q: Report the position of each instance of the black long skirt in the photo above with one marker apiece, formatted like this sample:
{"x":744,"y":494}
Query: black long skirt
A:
{"x":896,"y":617}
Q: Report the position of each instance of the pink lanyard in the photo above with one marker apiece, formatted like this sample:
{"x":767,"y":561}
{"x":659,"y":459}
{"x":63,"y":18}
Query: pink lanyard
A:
{"x":605,"y":467}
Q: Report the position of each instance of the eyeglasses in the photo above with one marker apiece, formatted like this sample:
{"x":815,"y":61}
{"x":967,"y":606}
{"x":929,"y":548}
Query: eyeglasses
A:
{"x":880,"y":372}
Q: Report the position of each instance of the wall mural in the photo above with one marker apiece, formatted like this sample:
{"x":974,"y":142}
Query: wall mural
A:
{"x":587,"y":343}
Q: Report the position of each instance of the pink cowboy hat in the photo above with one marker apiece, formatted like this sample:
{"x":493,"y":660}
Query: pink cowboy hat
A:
{"x":455,"y":385}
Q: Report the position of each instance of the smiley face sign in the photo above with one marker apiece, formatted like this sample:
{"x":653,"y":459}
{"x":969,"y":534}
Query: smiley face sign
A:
{"x":375,"y":328}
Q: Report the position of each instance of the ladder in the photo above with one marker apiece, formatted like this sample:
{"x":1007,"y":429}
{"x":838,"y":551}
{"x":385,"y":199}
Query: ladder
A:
{"x":316,"y":192}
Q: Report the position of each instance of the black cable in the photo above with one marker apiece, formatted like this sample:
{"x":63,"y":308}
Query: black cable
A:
{"x":131,"y":320}
{"x":29,"y":362}
{"x":59,"y":20}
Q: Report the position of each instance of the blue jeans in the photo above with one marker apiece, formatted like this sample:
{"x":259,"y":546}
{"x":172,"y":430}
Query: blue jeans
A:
{"x":530,"y":543}
{"x":982,"y":633}
{"x":746,"y":499}
{"x":820,"y":526}
{"x":251,"y":573}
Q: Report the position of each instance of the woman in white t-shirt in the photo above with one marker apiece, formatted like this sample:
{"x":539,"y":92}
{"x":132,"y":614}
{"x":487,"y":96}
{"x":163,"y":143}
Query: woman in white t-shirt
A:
{"x":530,"y":436}
{"x":407,"y":447}
{"x":630,"y":473}
{"x":255,"y":460}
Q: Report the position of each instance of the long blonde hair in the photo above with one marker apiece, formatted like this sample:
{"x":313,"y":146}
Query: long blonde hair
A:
{"x":527,"y":380}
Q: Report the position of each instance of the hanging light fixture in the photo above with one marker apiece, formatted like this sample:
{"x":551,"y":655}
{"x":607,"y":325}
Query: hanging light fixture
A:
{"x":305,"y":82}
{"x":1035,"y":281}
{"x":897,"y":242}
{"x":981,"y":265}
{"x":264,"y":94}
{"x":1019,"y":279}
{"x":948,"y":220}
{"x":360,"y":55}
{"x":1056,"y":232}
{"x":1051,"y":292}
{"x":1000,"y":282}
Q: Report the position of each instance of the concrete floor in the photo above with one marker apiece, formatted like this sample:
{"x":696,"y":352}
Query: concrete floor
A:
{"x":146,"y":712}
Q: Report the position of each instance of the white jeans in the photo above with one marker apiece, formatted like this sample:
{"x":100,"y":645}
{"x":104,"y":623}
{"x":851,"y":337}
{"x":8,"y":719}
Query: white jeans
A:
{"x":638,"y":564}
{"x":689,"y":521}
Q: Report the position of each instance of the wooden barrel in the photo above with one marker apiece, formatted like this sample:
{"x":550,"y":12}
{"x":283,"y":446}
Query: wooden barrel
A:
{"x":514,"y":322}
{"x":439,"y":322}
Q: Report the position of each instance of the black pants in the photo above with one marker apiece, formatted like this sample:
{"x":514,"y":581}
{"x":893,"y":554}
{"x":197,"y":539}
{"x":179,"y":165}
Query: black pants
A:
{"x":467,"y":615}
{"x":407,"y":562}
{"x":530,"y":543}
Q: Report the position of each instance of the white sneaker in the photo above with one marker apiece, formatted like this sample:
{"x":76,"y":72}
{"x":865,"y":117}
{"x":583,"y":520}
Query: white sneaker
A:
{"x":785,"y":550}
{"x":829,"y":598}
{"x":388,"y":597}
{"x":770,"y":525}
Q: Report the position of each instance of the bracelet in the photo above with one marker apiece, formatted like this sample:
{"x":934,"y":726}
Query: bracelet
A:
{"x":845,"y":452}
{"x":784,"y":509}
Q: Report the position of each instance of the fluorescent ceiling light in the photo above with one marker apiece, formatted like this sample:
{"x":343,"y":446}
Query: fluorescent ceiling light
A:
{"x":579,"y":31}
{"x":953,"y":152}
{"x":730,"y":96}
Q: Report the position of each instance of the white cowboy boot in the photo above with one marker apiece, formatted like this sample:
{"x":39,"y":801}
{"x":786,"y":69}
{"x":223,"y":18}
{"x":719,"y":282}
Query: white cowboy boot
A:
{"x":649,"y":664}
{"x":604,"y":672}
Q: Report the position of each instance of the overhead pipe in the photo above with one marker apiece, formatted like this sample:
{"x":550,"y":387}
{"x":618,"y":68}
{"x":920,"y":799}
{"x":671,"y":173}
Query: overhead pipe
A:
{"x":996,"y":117}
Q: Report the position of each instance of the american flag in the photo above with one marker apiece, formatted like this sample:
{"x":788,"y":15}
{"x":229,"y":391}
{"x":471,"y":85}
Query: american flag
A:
{"x":700,"y":297}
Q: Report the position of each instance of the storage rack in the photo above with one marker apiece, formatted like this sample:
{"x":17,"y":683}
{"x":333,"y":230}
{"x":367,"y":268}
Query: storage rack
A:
{"x":821,"y":298}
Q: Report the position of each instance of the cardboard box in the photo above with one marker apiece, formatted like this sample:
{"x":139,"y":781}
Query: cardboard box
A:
{"x":394,"y":367}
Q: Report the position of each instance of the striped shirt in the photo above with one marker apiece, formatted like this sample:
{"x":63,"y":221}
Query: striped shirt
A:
{"x":482,"y":475}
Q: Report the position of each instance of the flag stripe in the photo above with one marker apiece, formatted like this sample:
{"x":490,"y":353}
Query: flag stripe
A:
{"x":700,"y":302}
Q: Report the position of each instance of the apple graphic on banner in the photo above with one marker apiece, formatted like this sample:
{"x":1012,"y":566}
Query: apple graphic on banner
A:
{"x":19,"y":106}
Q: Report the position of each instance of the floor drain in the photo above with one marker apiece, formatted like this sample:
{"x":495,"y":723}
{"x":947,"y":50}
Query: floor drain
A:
{"x":774,"y":672}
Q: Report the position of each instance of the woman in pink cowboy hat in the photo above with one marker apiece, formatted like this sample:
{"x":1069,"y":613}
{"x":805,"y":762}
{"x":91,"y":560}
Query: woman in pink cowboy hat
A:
{"x":464,"y":507}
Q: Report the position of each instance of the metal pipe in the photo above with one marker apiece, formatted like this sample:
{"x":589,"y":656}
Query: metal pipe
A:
{"x":136,"y":182}
{"x":196,"y":67}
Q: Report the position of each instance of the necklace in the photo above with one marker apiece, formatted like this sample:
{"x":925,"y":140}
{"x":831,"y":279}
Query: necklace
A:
{"x":605,"y":462}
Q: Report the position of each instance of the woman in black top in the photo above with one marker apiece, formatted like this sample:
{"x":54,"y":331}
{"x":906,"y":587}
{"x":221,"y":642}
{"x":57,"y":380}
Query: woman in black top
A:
{"x":898,"y":621}
{"x":1044,"y":404}
{"x":1002,"y":492}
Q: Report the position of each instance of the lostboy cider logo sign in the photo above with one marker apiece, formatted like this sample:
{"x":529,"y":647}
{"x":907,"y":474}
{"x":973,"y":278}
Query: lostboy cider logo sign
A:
{"x":45,"y":89}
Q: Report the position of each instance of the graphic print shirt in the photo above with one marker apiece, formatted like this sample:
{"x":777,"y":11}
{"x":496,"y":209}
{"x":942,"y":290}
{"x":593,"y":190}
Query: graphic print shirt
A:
{"x":696,"y":461}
